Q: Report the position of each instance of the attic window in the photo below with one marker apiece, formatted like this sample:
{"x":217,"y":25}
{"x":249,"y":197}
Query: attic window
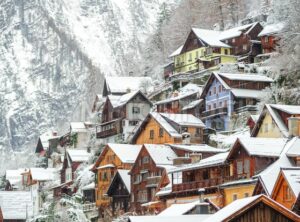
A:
{"x":287,"y":194}
{"x":152,"y":134}
{"x":161,"y":132}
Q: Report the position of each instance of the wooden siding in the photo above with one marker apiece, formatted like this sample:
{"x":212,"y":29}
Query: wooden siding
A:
{"x":238,"y":192}
{"x":268,"y":128}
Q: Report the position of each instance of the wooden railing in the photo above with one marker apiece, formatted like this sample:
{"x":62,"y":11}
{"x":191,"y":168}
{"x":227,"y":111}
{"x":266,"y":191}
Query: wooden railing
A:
{"x":215,"y":111}
{"x":195,"y":185}
{"x":107,"y":133}
{"x":153,"y":181}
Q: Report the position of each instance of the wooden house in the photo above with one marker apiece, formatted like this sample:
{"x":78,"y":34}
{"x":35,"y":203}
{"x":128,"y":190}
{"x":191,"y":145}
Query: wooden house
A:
{"x":43,"y":142}
{"x":112,"y":158}
{"x":252,"y":121}
{"x":274,"y":121}
{"x":121,"y":115}
{"x":269,"y":39}
{"x":227,"y":94}
{"x":160,"y":128}
{"x":259,"y":208}
{"x":168,"y":70}
{"x":146,"y":173}
{"x":121,"y":85}
{"x":287,"y":189}
{"x":119,"y":190}
{"x":1,"y":215}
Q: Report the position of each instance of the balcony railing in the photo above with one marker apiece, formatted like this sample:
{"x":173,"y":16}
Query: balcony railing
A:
{"x":153,"y":181}
{"x":247,"y":108}
{"x":195,"y":185}
{"x":107,"y":133}
{"x":222,"y":110}
{"x":114,"y":128}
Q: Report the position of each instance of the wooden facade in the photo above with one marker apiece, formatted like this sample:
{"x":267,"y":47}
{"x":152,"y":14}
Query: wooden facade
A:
{"x":152,"y":131}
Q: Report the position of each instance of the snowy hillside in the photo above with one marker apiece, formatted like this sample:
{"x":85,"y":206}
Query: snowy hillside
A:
{"x":53,"y":55}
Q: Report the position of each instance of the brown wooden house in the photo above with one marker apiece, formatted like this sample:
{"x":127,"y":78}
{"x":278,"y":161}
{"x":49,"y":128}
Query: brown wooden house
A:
{"x":287,"y":188}
{"x":258,"y":208}
{"x":112,"y":158}
{"x":119,"y":191}
{"x":121,"y":115}
{"x":146,"y":173}
{"x":161,"y":128}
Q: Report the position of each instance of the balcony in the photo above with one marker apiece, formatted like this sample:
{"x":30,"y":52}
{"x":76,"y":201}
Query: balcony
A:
{"x":153,"y":181}
{"x":247,"y":108}
{"x":108,"y":129}
{"x":218,"y":111}
{"x":195,"y":185}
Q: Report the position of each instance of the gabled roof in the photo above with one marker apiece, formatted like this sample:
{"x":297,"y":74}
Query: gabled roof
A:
{"x":120,"y":100}
{"x":197,"y":148}
{"x":255,"y":146}
{"x":122,"y":84}
{"x":236,"y":31}
{"x":240,"y":206}
{"x":160,"y":154}
{"x":189,"y":218}
{"x":14,"y":176}
{"x":192,"y":104}
{"x":272,"y":29}
{"x":183,"y":119}
{"x":176,"y":52}
{"x":273,"y":109}
{"x":268,"y":176}
{"x":210,"y":37}
{"x":16,"y":205}
{"x":294,"y":150}
{"x":215,"y":160}
{"x":175,"y":98}
{"x":292,"y":177}
{"x":127,"y":153}
{"x":77,"y":155}
{"x":246,"y":77}
{"x":124,"y":176}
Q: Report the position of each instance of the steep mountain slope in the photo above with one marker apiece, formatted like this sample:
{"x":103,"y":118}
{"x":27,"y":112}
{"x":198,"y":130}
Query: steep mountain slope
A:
{"x":53,"y":55}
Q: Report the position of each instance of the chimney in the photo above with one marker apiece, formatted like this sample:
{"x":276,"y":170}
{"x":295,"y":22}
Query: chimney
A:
{"x":196,"y":157}
{"x":186,"y":138}
{"x":294,"y":126}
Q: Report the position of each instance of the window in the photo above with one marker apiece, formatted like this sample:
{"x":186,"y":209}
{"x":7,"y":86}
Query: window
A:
{"x":226,"y":51}
{"x":220,"y":88}
{"x":287,"y":194}
{"x":245,"y":47}
{"x":133,"y":122}
{"x":209,"y":93}
{"x":197,"y":54}
{"x":184,"y":129}
{"x":151,"y":134}
{"x":178,"y":60}
{"x":161,"y":132}
{"x":145,"y":159}
{"x":215,"y":105}
{"x":234,"y":197}
{"x":215,"y":90}
{"x":233,"y":40}
{"x":239,"y":166}
{"x":246,"y":194}
{"x":266,"y":39}
{"x":266,"y":127}
{"x":209,"y":107}
{"x":225,"y":103}
{"x":136,"y":110}
{"x":198,"y":132}
{"x":220,"y":104}
{"x":190,"y":56}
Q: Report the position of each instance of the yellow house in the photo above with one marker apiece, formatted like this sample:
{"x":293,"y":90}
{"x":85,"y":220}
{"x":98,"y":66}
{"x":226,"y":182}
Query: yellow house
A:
{"x":112,"y":158}
{"x":161,"y":128}
{"x":201,"y":50}
{"x":273,"y":122}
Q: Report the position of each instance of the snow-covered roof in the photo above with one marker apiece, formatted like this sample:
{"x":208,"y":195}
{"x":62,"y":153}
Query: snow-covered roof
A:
{"x":14,"y":176}
{"x":180,"y":209}
{"x":110,"y":165}
{"x":203,"y":148}
{"x":294,"y":150}
{"x":90,"y":186}
{"x":124,"y":174}
{"x":272,"y":29}
{"x":189,"y":218}
{"x":292,"y":176}
{"x":176,"y":52}
{"x":290,"y":109}
{"x":16,"y":205}
{"x":240,"y":181}
{"x":45,"y":138}
{"x":235,"y":32}
{"x":184,"y":119}
{"x":123,"y":84}
{"x":192,"y":104}
{"x":78,"y":127}
{"x":231,"y":208}
{"x":161,"y":154}
{"x":77,"y":155}
{"x":126,"y":152}
{"x":167,"y":126}
{"x":214,"y":160}
{"x":246,"y":77}
{"x":257,"y":146}
{"x":175,"y":98}
{"x":44,"y":174}
{"x":210,"y":37}
{"x":121,"y":100}
{"x":248,"y":93}
{"x":190,"y":87}
{"x":268,"y":176}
